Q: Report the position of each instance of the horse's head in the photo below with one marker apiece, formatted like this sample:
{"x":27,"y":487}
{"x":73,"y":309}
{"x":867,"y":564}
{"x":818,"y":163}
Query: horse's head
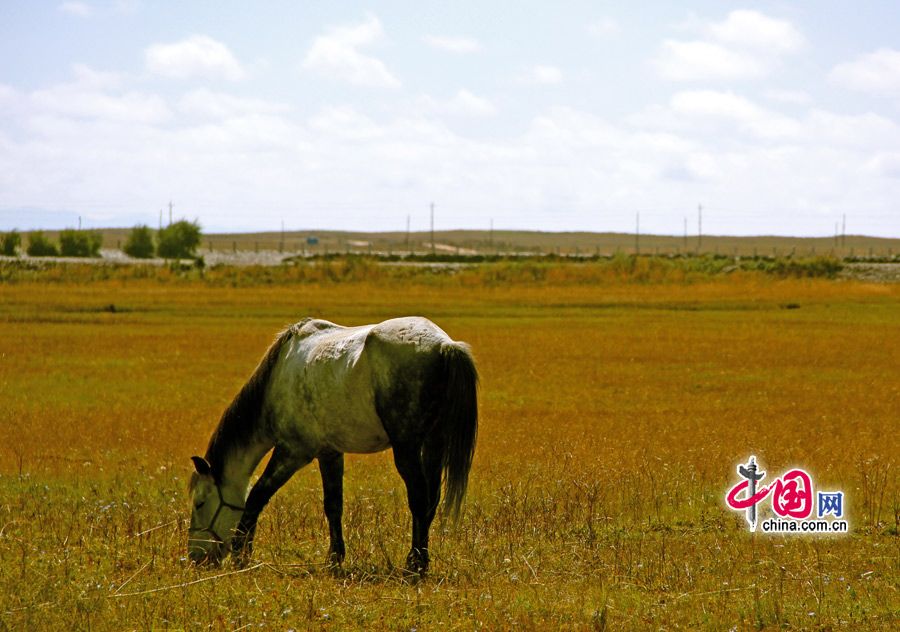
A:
{"x":213,"y":519}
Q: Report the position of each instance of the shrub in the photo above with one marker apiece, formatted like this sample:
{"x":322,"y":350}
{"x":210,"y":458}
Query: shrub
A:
{"x":9,"y":243}
{"x":80,"y":243}
{"x":179,"y":240}
{"x":139,"y":243}
{"x":40,"y":246}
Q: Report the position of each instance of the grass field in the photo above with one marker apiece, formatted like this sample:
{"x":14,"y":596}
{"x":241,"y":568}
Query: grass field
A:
{"x":614,"y":409}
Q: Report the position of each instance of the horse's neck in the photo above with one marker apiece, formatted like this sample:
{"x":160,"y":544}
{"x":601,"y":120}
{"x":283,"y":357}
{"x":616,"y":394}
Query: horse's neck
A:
{"x":239,"y":466}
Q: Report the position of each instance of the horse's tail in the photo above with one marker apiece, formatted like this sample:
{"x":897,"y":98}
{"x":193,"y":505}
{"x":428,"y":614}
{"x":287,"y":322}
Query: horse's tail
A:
{"x":459,"y":422}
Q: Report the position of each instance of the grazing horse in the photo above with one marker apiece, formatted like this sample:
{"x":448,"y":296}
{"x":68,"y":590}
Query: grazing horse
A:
{"x":322,"y":390}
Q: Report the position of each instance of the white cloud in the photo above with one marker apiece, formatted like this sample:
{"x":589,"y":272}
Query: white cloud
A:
{"x":336,"y":55}
{"x":712,"y":103}
{"x":569,"y":126}
{"x":83,"y":9}
{"x":723,"y":117}
{"x":94,"y":143}
{"x":457,"y":45}
{"x":868,"y":132}
{"x":604,"y":27}
{"x":131,"y":107}
{"x":745,"y":45}
{"x":197,"y":56}
{"x":11,"y":102}
{"x":467,"y":103}
{"x":464,"y":103}
{"x":885,"y":164}
{"x":699,"y":60}
{"x":86,"y":76}
{"x":751,"y":29}
{"x":80,"y":9}
{"x":95,"y":95}
{"x":796,"y":97}
{"x":713,"y":106}
{"x":126,"y":6}
{"x":877,"y":72}
{"x":7,"y":93}
{"x":545,"y":74}
{"x":207,"y":103}
{"x":346,"y":123}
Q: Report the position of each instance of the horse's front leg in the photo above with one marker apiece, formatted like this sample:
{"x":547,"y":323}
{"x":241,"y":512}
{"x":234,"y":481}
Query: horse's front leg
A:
{"x":331,"y":467}
{"x":280,"y":468}
{"x":408,"y":460}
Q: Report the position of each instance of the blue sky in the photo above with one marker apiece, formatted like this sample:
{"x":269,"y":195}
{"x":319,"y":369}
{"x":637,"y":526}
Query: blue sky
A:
{"x":778,"y":117}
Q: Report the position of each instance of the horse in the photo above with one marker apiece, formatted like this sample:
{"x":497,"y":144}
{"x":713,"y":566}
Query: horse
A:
{"x":322,"y":390}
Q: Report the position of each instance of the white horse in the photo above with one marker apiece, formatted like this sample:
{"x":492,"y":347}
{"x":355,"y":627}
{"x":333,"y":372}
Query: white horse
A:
{"x":322,"y":390}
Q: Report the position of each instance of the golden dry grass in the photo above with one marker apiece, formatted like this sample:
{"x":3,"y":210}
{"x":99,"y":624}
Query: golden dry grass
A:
{"x":613,"y":415}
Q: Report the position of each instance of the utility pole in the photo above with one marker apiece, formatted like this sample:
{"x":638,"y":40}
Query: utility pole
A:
{"x":432,"y":228}
{"x":699,"y":227}
{"x":637,"y":233}
{"x":79,"y":222}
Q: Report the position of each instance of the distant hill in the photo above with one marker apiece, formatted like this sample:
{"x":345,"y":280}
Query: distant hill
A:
{"x":526,"y":242}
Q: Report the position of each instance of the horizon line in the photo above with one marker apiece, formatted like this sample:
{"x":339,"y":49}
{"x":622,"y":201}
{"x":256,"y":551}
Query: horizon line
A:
{"x":312,"y":231}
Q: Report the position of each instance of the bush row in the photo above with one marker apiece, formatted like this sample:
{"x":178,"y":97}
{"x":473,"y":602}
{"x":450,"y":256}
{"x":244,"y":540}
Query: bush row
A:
{"x":176,"y":241}
{"x":72,"y":243}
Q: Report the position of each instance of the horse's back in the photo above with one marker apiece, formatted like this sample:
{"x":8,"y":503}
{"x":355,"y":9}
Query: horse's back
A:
{"x":321,"y":394}
{"x":341,"y":388}
{"x":409,"y":332}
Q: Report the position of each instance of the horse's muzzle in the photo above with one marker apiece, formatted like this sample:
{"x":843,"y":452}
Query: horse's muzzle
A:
{"x":201,"y":557}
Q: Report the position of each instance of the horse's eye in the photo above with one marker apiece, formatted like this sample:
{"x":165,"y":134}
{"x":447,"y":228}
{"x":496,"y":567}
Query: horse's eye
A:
{"x":200,"y":504}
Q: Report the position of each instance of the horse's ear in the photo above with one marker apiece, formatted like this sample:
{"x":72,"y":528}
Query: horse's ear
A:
{"x":203,"y":467}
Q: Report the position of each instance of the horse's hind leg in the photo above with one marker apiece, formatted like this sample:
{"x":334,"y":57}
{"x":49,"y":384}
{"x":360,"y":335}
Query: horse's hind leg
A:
{"x":331,"y":466}
{"x":281,"y":466}
{"x":432,"y":464}
{"x":408,"y":460}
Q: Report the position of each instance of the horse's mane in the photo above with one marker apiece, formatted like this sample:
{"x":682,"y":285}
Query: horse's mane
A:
{"x":240,"y":421}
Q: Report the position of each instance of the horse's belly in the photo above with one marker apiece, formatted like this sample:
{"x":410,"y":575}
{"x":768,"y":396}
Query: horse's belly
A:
{"x":358,"y":434}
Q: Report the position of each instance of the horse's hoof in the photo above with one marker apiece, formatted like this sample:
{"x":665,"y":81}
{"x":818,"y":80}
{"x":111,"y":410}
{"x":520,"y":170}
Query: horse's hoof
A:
{"x":241,"y":558}
{"x":413,"y":576}
{"x":333,"y":563}
{"x":417,"y":563}
{"x":240,"y":562}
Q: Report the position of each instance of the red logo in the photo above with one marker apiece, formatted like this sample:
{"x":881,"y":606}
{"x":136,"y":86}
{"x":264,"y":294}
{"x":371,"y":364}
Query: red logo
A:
{"x":792,"y":495}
